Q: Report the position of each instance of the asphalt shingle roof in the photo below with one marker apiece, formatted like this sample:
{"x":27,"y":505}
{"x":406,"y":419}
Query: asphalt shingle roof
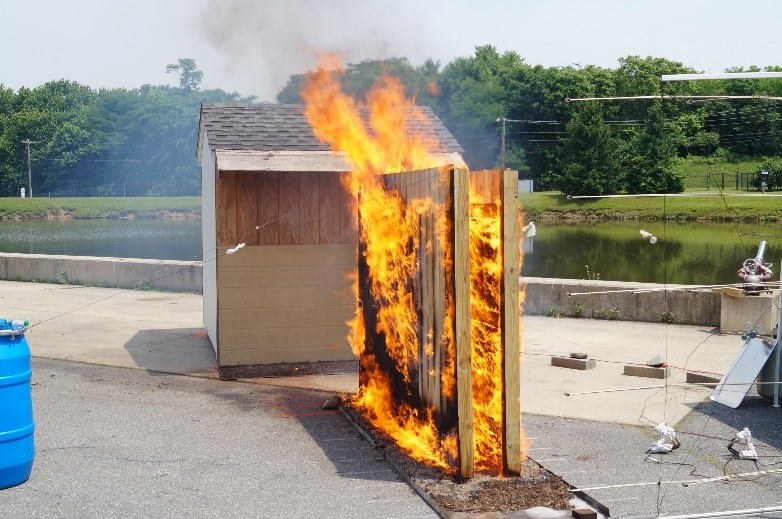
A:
{"x":277,"y":127}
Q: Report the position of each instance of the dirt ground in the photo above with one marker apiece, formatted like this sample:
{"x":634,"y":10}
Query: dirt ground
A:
{"x":535,"y":486}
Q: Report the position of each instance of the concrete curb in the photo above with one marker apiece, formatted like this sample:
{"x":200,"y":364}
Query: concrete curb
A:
{"x":178,"y":276}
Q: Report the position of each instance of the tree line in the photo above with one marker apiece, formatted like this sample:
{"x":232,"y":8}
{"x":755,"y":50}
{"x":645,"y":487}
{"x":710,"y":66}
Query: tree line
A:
{"x":585,"y":147}
{"x":105,"y":142}
{"x":142,"y":141}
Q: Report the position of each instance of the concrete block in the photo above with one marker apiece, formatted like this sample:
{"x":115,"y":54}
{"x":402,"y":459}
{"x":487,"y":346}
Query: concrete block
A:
{"x":567,"y":362}
{"x":736,"y":309}
{"x":634,"y":370}
{"x":697,"y":378}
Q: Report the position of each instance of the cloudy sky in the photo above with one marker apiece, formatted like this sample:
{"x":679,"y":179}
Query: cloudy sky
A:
{"x":253,"y":46}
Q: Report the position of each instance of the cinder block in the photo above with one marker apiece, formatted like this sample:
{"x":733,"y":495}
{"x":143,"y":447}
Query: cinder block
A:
{"x":567,"y":362}
{"x":634,"y":370}
{"x":697,"y":378}
{"x":584,"y":513}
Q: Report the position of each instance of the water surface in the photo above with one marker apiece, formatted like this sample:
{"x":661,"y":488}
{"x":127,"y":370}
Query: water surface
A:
{"x":687,"y":253}
{"x":136,"y":238}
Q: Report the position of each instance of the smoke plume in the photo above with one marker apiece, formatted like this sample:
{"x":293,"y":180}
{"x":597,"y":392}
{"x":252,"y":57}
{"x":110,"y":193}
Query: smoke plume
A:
{"x":268,"y":41}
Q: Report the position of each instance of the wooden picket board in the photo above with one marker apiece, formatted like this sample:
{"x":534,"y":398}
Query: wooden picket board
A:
{"x":309,"y":208}
{"x":268,"y":208}
{"x":329,"y":209}
{"x":225,"y":208}
{"x":247,"y":209}
{"x":289,"y":210}
{"x":348,"y":214}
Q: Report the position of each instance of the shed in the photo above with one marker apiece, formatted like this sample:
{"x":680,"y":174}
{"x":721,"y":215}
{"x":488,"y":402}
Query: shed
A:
{"x":269,"y":183}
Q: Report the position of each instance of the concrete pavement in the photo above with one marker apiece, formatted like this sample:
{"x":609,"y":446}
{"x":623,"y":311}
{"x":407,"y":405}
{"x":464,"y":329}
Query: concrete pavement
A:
{"x":590,"y":439}
{"x":163,"y":331}
{"x":113,"y":442}
{"x":158,"y":331}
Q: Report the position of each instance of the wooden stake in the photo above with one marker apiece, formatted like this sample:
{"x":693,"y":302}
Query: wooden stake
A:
{"x":510,"y":322}
{"x":461,"y":271}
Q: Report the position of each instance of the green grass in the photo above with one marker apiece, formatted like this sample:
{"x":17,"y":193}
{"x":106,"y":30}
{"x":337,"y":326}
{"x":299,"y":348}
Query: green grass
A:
{"x":106,"y":207}
{"x":552,"y":204}
{"x":720,"y":207}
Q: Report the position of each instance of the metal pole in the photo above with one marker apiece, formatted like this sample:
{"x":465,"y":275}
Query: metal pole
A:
{"x":29,"y":167}
{"x":502,"y":148}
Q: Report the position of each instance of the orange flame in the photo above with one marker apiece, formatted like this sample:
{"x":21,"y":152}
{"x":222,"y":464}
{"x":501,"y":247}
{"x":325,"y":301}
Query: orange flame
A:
{"x":389,"y":235}
{"x":486,"y":339}
{"x":377,"y":138}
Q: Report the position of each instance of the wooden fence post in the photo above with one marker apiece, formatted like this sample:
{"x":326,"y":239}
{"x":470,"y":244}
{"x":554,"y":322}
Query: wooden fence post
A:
{"x":461,"y":274}
{"x":510,"y":322}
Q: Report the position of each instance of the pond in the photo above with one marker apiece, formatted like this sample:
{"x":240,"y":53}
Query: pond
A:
{"x":133,"y":238}
{"x":687,"y":253}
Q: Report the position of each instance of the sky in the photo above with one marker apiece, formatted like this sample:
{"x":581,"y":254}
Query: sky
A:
{"x":253,"y":46}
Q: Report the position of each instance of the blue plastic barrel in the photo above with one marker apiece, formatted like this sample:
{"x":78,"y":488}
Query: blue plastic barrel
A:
{"x":16,"y":406}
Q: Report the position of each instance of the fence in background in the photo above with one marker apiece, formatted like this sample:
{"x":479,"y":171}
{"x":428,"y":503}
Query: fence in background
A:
{"x":734,"y":181}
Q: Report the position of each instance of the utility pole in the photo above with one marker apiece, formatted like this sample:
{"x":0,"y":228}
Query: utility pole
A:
{"x":29,"y":167}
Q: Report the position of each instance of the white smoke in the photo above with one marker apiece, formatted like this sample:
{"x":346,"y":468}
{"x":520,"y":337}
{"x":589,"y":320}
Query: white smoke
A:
{"x":267,"y":41}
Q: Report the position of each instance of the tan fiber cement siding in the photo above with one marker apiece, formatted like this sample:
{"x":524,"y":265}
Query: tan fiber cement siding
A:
{"x":285,"y":303}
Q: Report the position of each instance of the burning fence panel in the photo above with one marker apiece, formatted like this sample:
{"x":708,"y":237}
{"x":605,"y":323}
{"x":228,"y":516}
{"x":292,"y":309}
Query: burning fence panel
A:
{"x":495,"y":265}
{"x":436,"y":328}
{"x":439,"y":311}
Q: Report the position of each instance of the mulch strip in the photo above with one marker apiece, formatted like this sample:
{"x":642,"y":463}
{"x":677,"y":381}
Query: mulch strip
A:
{"x":534,"y":487}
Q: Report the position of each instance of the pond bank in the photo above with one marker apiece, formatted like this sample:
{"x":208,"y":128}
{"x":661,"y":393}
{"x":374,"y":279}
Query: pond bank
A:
{"x":186,"y":207}
{"x":717,"y":207}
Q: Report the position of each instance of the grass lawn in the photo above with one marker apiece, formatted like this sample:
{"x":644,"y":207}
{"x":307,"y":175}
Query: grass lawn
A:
{"x":705,"y":175}
{"x":105,"y":207}
{"x":552,"y":204}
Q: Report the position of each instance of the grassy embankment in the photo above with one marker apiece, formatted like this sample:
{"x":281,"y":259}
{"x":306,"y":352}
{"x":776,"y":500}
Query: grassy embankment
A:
{"x":554,"y":205}
{"x":65,"y":208}
{"x":701,"y":172}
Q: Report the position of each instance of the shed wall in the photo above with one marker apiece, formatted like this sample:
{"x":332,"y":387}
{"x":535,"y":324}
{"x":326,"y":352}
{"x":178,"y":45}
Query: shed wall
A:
{"x":283,"y":208}
{"x":208,"y":241}
{"x":285,"y":303}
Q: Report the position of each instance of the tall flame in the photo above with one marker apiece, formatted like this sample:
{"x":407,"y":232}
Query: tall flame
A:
{"x":377,"y":138}
{"x":486,"y":274}
{"x":390,"y":238}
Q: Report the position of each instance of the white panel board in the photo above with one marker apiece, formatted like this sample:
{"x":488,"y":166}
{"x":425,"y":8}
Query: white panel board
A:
{"x":737,"y":381}
{"x":209,"y":240}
